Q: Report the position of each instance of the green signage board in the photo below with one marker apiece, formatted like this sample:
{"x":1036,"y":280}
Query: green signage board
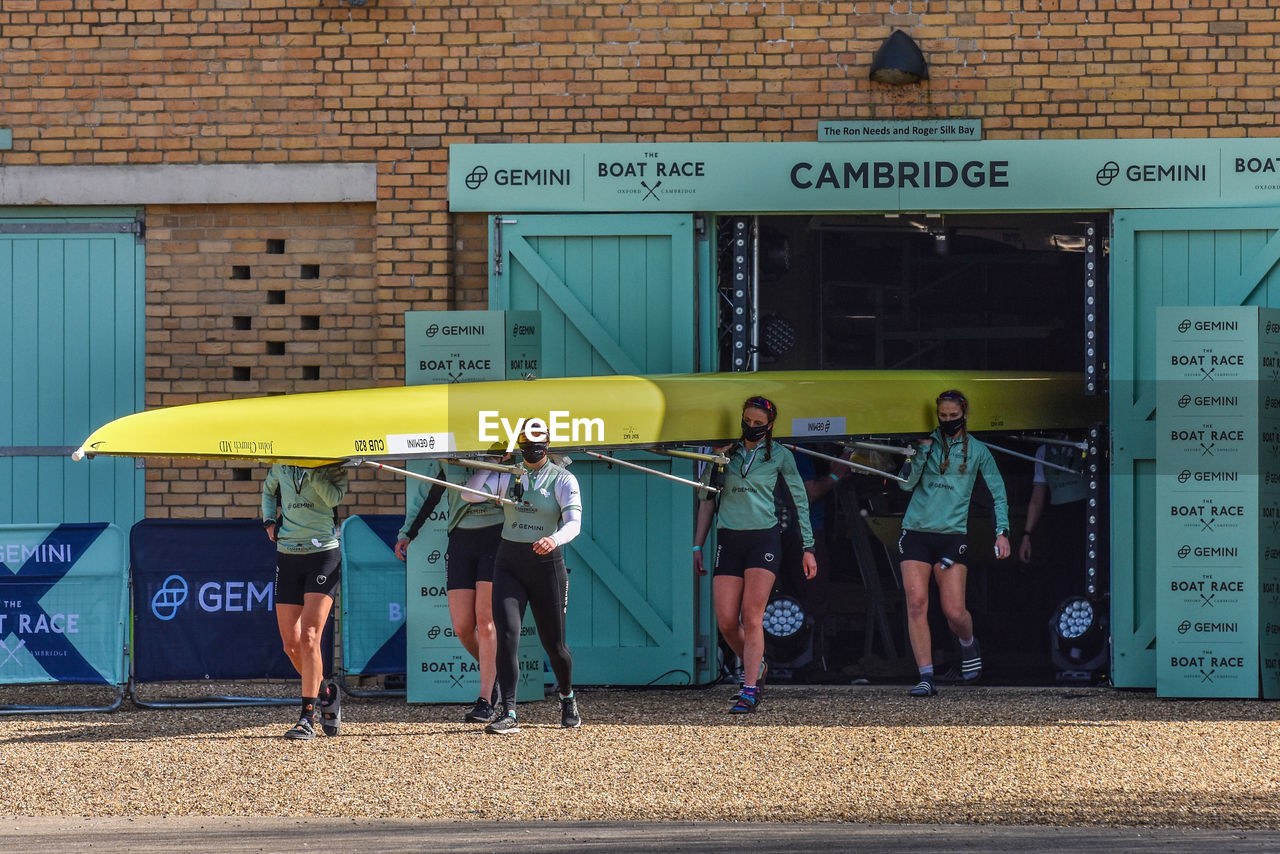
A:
{"x":883,"y":176}
{"x":524,"y":344}
{"x":451,"y":347}
{"x":439,"y":669}
{"x":1217,"y":498}
{"x":471,"y":346}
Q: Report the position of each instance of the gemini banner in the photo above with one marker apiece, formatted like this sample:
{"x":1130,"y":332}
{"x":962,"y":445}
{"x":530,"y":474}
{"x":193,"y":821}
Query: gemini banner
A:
{"x":373,"y":627}
{"x":1217,"y":500}
{"x":455,"y":347}
{"x":63,"y":604}
{"x":204,"y":602}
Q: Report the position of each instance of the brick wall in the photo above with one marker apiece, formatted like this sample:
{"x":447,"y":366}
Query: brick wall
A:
{"x":397,"y":81}
{"x":251,"y":300}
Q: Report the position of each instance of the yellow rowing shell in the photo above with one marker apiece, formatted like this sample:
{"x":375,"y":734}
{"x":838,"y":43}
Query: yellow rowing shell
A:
{"x":408,"y":422}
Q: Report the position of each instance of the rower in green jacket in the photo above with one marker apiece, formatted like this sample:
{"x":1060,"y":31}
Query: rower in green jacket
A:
{"x":935,"y":540}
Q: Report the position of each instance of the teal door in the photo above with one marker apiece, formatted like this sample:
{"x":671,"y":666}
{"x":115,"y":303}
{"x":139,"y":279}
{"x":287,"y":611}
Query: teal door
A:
{"x":617,"y":295}
{"x":1180,"y":257}
{"x":71,"y":359}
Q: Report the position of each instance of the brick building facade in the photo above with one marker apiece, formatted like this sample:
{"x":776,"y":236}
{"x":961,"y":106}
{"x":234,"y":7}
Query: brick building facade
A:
{"x":265,"y":297}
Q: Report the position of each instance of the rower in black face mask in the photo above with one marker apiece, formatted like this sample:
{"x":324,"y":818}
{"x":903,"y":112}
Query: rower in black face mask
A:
{"x":749,"y":541}
{"x":934,"y":540}
{"x":753,"y":432}
{"x":529,"y":570}
{"x":534,"y":452}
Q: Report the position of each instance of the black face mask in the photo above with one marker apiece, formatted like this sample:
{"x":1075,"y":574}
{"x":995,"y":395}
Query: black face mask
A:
{"x":533,"y":452}
{"x":753,"y":434}
{"x":951,"y":428}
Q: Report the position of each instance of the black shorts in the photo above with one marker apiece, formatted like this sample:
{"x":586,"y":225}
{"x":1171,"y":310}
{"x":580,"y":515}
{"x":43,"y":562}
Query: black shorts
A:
{"x":300,"y":574}
{"x":933,"y":549}
{"x":470,"y":556}
{"x":738,"y":551}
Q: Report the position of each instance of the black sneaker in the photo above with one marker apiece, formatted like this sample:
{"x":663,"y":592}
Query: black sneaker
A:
{"x":303,"y":730}
{"x":331,"y":707}
{"x":971,"y":664}
{"x":482,"y":713}
{"x":924,"y":688}
{"x":569,"y":717}
{"x":504,"y":724}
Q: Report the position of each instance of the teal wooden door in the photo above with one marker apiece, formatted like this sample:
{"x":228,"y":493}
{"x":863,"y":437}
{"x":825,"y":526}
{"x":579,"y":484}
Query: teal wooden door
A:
{"x":1179,"y":257}
{"x":71,"y":359}
{"x":617,"y":295}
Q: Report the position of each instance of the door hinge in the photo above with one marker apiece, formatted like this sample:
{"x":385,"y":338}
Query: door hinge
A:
{"x":498,"y":222}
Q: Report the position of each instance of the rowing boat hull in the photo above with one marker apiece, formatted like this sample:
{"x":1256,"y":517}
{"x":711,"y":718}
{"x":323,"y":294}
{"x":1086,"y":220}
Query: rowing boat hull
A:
{"x":408,"y":422}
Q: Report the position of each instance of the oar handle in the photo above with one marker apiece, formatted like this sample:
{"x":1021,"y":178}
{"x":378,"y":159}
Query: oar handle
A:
{"x":495,"y":498}
{"x":630,"y":465}
{"x":850,"y":463}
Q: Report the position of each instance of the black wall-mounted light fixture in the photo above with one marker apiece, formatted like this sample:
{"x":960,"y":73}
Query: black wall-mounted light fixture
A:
{"x":899,"y":61}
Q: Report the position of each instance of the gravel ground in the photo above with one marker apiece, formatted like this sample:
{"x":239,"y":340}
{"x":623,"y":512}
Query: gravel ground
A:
{"x":1060,"y":756}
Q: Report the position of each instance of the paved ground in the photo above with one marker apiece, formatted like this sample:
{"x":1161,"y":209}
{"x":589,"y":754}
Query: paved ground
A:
{"x":828,"y":768}
{"x":142,"y":835}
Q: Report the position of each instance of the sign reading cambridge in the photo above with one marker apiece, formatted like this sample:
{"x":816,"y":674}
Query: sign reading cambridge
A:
{"x":877,"y":175}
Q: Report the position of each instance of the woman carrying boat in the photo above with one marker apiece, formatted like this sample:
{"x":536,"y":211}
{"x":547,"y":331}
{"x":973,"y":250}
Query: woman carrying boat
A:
{"x":529,"y":569}
{"x":934,"y":540}
{"x":474,"y":531}
{"x":298,"y":512}
{"x":749,"y":541}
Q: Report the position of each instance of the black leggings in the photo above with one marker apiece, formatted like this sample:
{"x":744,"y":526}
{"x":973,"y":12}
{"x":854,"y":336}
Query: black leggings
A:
{"x":520,"y":577}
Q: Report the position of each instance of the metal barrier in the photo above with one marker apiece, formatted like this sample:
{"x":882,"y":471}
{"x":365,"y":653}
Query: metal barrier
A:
{"x":63,"y":610}
{"x":373,"y":597}
{"x":204,"y":610}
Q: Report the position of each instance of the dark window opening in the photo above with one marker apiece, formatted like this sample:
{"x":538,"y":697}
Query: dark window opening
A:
{"x":310,"y":271}
{"x":240,"y":271}
{"x":961,"y":292}
{"x":275,"y":247}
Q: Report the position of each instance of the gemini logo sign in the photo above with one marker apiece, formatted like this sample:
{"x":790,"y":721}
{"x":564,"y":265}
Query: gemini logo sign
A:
{"x":519,"y":177}
{"x":1152,"y":173}
{"x":169,"y":598}
{"x":213,"y":597}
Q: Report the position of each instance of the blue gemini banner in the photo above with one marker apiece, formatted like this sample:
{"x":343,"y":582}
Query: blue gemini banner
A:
{"x":204,"y":603}
{"x":373,"y":593}
{"x":63,"y":604}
